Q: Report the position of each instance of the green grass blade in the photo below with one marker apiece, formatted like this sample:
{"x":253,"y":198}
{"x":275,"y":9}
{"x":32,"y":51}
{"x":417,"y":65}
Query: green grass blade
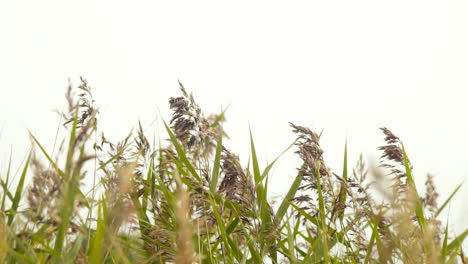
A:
{"x":181,"y":153}
{"x":219,"y":118}
{"x":457,"y":242}
{"x":268,"y":168}
{"x":95,"y":256}
{"x":220,"y":225}
{"x":71,"y":185}
{"x":118,"y":154}
{"x":309,"y":217}
{"x":20,"y":258}
{"x":51,"y":161}
{"x":75,"y":249}
{"x":443,"y":252}
{"x":256,"y":257}
{"x":373,"y":238}
{"x":262,"y":200}
{"x":345,"y":178}
{"x":283,"y":208}
{"x":419,"y":207}
{"x":447,"y":201}
{"x":216,"y":164}
{"x":256,"y":168}
{"x":6,"y":192}
{"x":19,"y":191}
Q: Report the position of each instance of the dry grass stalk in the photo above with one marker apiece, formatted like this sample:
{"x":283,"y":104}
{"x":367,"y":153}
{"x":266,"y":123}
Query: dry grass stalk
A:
{"x":185,"y":253}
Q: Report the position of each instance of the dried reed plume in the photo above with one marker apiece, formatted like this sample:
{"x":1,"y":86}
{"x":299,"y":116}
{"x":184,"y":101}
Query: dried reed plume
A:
{"x":185,"y":253}
{"x":45,"y":193}
{"x":310,"y":152}
{"x":236,"y":185}
{"x":190,"y":125}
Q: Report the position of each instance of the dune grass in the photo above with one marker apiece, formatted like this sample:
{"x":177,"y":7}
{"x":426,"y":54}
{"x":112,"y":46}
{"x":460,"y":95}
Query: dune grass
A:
{"x":192,"y":201}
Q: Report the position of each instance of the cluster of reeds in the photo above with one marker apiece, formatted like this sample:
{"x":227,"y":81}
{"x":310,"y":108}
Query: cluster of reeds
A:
{"x":193,"y":201}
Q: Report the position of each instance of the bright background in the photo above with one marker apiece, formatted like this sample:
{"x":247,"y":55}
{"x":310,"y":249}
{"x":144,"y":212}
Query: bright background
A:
{"x":348,"y":67}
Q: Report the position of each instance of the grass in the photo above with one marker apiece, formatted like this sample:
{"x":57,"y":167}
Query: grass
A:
{"x":192,"y":201}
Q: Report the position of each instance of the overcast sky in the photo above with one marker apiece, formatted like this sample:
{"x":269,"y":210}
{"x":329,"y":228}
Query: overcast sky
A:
{"x":347,"y":67}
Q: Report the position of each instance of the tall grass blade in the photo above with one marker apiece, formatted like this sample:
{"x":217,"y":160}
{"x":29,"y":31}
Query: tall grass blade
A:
{"x":283,"y":208}
{"x":18,"y":193}
{"x":181,"y":153}
{"x":216,"y":164}
{"x":447,"y":201}
{"x":457,"y":242}
{"x":96,"y":252}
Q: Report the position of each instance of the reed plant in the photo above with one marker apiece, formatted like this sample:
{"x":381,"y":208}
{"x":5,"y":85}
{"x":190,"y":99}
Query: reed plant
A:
{"x":192,"y":200}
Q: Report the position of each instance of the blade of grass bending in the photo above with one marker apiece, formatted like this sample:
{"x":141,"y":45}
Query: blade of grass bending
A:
{"x":453,"y":257}
{"x":19,"y":191}
{"x":419,"y":207}
{"x":54,"y":165}
{"x":216,"y":164}
{"x":374,"y":236}
{"x":407,"y":167}
{"x":6,"y":192}
{"x":118,"y":154}
{"x":183,"y":172}
{"x":315,"y":249}
{"x":268,"y":168}
{"x":232,"y":225}
{"x":75,"y":249}
{"x":283,"y":208}
{"x":256,"y":257}
{"x":309,"y":217}
{"x":181,"y":153}
{"x":219,"y":118}
{"x":20,"y":258}
{"x":458,"y":241}
{"x":168,"y":195}
{"x":57,"y":169}
{"x":447,"y":201}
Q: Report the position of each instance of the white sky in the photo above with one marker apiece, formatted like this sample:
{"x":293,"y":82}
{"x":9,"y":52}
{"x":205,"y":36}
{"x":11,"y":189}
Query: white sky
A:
{"x":348,"y":67}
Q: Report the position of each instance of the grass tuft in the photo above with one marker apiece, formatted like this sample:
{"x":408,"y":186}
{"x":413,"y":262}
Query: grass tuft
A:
{"x":193,"y":201}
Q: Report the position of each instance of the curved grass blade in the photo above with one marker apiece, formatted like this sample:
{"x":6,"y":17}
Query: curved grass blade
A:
{"x":448,"y":200}
{"x":268,"y":168}
{"x":457,"y":242}
{"x":181,"y":153}
{"x":19,"y":191}
{"x":283,"y":208}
